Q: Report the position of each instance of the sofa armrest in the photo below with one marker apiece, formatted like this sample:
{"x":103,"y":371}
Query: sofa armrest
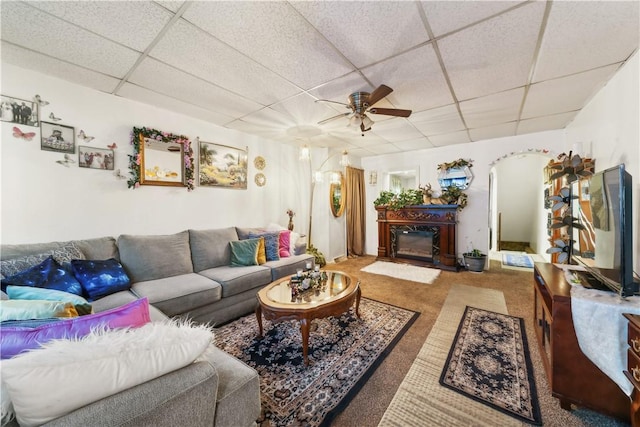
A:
{"x":186,"y":396}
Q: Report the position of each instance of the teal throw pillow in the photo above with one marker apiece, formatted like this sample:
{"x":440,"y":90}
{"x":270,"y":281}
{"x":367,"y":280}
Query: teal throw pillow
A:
{"x":48,"y":274}
{"x":271,"y":244}
{"x":28,"y":293}
{"x":100,"y":278}
{"x":244,"y":252}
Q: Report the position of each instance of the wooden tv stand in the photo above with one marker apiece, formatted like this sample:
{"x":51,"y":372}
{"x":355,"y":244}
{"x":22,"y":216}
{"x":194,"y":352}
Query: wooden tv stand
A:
{"x":573,"y":378}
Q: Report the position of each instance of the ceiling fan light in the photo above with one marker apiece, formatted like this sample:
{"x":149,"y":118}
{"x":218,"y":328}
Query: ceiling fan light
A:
{"x":367,"y":122}
{"x":355,"y":121}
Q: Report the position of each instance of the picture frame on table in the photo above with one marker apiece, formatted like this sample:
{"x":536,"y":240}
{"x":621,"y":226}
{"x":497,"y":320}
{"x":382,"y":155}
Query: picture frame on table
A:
{"x":19,"y":111}
{"x":95,"y":158}
{"x":58,"y":138}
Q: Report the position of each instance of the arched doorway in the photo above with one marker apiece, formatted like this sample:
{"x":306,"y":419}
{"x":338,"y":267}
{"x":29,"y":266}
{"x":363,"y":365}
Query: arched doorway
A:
{"x":517,"y":213}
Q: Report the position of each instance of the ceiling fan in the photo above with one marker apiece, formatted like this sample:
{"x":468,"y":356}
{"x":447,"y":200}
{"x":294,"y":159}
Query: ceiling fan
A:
{"x":361,"y":103}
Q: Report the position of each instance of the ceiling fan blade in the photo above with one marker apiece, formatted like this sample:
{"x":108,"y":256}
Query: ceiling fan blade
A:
{"x":334,"y":102}
{"x":379,"y":93}
{"x":333,"y":118}
{"x":390,"y":112}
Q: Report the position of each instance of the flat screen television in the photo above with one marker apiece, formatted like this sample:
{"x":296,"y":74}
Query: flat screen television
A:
{"x":604,"y":247}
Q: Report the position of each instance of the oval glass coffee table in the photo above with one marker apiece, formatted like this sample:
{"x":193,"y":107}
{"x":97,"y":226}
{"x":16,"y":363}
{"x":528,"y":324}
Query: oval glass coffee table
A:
{"x":331,"y":298}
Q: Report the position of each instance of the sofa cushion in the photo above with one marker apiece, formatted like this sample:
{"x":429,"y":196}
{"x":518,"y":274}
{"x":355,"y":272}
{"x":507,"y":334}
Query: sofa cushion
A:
{"x":98,"y":248}
{"x":48,"y":274}
{"x":155,"y":257}
{"x":100,"y":278}
{"x":244,"y":252}
{"x":238,"y":400}
{"x":179,"y":294}
{"x":210,"y":248}
{"x":287,"y":266}
{"x":235,"y":280}
{"x":136,"y":355}
{"x":61,"y":253}
{"x":243,"y":232}
{"x":18,"y":338}
{"x":41,"y":294}
{"x":20,"y":309}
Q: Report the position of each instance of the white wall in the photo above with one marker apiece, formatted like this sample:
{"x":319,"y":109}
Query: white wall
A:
{"x":609,"y":129}
{"x":473,"y":220}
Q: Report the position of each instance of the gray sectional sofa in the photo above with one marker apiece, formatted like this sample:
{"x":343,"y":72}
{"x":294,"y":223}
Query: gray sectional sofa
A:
{"x":187,"y":274}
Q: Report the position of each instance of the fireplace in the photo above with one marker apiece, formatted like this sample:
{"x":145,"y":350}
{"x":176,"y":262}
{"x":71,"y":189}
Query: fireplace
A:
{"x":413,"y":242}
{"x":421,"y":235}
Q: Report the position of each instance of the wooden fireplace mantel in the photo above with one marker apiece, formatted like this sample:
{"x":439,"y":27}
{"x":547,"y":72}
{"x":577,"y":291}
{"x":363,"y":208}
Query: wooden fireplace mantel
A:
{"x":442,"y":218}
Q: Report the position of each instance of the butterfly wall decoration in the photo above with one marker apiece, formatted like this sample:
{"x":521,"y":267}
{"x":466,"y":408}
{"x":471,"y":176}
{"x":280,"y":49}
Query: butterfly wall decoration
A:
{"x":40,"y":101}
{"x":27,"y":136}
{"x":84,"y":137}
{"x":112,"y":146}
{"x":118,"y":174}
{"x":67,"y":160}
{"x":54,"y":118}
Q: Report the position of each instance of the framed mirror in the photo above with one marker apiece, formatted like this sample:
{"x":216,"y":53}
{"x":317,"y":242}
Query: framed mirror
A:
{"x":461,"y":177}
{"x":336,"y":194}
{"x":397,"y":180}
{"x":161,"y":163}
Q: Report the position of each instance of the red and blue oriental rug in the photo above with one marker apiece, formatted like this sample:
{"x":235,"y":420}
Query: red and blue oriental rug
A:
{"x":343,"y":353}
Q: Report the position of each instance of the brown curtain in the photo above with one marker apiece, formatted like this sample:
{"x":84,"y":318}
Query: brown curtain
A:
{"x":355,"y":207}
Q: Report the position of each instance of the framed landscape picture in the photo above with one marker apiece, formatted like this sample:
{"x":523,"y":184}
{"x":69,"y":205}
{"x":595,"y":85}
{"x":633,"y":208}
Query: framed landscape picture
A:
{"x":95,"y":158}
{"x":222,"y":166}
{"x":57,"y":137}
{"x":18,"y":111}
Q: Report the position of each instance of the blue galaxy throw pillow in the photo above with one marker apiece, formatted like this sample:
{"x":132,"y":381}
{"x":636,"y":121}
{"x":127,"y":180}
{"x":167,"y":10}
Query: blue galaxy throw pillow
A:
{"x":48,"y":274}
{"x":100,"y":278}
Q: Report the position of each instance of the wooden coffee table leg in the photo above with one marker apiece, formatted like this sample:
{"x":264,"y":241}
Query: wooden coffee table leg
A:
{"x":358,"y":294}
{"x":304,"y":329}
{"x":259,"y":317}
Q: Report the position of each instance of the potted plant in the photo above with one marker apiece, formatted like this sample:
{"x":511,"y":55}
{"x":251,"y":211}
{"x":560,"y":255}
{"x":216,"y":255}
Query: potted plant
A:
{"x":475,"y":260}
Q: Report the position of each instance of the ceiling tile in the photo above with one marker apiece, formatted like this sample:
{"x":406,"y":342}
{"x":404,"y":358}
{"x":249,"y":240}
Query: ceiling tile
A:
{"x":539,"y":124}
{"x":447,"y":16}
{"x":414,"y":144}
{"x":164,"y":79}
{"x":565,"y":94}
{"x":137,"y":93}
{"x":368,"y":140}
{"x":384,"y":37}
{"x":396,"y":130}
{"x":63,"y":70}
{"x":415,"y":74}
{"x":196,"y":52}
{"x":171,"y":5}
{"x":490,"y":110}
{"x":305,"y":111}
{"x":438,"y":120}
{"x":383,"y":149}
{"x":33,"y":29}
{"x":134,"y":24}
{"x":582,"y":35}
{"x":340,"y":88}
{"x":495,"y":55}
{"x":460,"y":137}
{"x":496,"y":131}
{"x":275,"y":35}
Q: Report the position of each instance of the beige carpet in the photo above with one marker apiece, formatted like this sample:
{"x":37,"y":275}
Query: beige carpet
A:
{"x":420,"y":399}
{"x":403,"y":271}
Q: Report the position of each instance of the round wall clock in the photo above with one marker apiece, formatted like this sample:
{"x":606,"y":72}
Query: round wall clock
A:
{"x":260,"y":179}
{"x":259,"y":162}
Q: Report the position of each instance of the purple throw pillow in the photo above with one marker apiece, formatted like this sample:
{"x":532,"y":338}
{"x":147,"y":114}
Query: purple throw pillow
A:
{"x":15,"y":339}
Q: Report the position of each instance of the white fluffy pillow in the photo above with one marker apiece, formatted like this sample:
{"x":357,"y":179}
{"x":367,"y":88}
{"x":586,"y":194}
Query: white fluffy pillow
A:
{"x":64,"y":375}
{"x":272,"y":227}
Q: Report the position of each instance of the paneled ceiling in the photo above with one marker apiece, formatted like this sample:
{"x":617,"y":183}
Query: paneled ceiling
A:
{"x":469,"y":70}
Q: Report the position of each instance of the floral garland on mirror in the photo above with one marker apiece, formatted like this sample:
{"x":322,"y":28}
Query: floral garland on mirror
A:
{"x":134,"y":159}
{"x":460,"y":163}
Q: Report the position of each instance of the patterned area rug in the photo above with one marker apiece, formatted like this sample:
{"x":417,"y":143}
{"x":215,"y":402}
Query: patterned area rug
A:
{"x":403,"y":271}
{"x":343,"y":352}
{"x":489,"y":362}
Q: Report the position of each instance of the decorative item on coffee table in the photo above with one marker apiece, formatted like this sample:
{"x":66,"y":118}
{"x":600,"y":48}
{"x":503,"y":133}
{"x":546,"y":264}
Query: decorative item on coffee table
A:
{"x":306,"y":283}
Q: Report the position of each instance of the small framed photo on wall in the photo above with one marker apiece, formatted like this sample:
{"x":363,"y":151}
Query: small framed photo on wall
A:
{"x":18,"y":111}
{"x":95,"y":158}
{"x":57,"y":137}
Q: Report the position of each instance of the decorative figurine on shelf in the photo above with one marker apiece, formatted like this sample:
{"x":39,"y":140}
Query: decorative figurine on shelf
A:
{"x":291,"y":215}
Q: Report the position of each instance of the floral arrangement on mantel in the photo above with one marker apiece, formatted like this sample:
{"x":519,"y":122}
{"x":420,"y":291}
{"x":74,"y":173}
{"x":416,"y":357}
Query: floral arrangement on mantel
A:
{"x":451,"y":195}
{"x":134,"y":159}
{"x":460,"y":163}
